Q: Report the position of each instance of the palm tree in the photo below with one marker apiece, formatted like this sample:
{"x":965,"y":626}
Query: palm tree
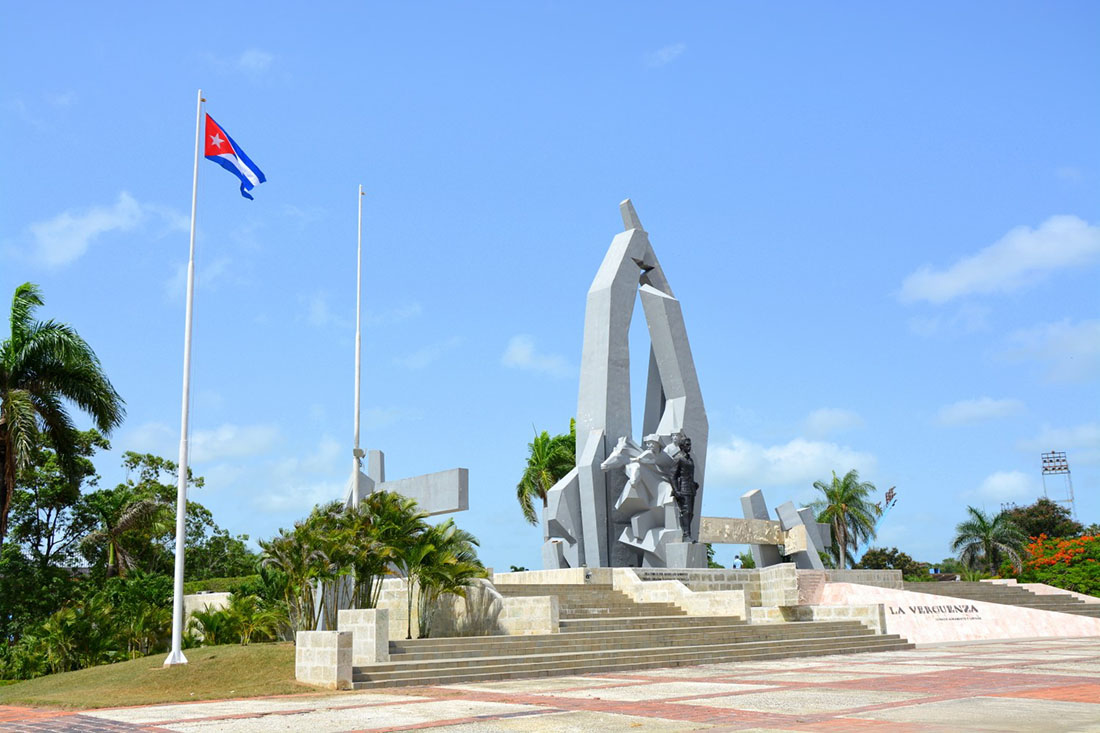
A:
{"x":251,"y":616}
{"x":984,"y":540}
{"x":118,"y":517}
{"x":370,"y":531}
{"x":332,"y":559}
{"x":549,"y":459}
{"x":215,"y":625}
{"x":449,"y":568}
{"x":145,"y":628}
{"x":58,"y":643}
{"x":294,"y":556}
{"x":847,"y":507}
{"x":42,"y":365}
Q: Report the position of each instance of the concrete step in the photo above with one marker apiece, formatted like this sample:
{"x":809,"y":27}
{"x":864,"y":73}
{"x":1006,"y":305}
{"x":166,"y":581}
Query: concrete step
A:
{"x":582,"y":652}
{"x":424,"y":649}
{"x":1008,"y":595}
{"x":708,"y":624}
{"x":617,"y":612}
{"x":553,"y":659}
{"x":591,"y":600}
{"x":602,"y":661}
{"x":633,"y":622}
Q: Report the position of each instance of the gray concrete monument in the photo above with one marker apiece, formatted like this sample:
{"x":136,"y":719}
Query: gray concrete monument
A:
{"x":436,"y":493}
{"x":617,"y":508}
{"x":802,"y":538}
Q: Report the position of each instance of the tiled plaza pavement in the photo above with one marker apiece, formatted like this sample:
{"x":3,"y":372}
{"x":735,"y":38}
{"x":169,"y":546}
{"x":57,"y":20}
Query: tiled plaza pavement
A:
{"x":1047,"y":685}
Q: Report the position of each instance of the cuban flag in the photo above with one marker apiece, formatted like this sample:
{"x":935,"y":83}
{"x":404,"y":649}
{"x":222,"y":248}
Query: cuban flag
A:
{"x":221,"y":149}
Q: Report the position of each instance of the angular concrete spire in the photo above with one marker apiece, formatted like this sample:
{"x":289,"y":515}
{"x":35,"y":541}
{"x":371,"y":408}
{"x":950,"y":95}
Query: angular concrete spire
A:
{"x":630,"y":216}
{"x":594,"y":515}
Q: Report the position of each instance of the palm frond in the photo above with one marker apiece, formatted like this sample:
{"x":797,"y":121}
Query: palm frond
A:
{"x":28,"y":296}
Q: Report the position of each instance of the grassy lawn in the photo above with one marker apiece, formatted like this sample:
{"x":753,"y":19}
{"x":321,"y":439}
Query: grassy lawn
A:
{"x":213,"y":673}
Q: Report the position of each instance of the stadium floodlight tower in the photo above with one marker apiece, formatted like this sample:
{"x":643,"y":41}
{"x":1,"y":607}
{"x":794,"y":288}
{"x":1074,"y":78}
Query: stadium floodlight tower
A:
{"x":1055,"y":463}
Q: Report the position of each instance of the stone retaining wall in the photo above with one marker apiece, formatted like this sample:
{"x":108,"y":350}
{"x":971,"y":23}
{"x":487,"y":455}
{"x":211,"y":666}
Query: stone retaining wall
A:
{"x":878,"y":578}
{"x":563,"y":576}
{"x":870,"y":615}
{"x":779,"y":585}
{"x":483,"y":612}
{"x":693,"y":603}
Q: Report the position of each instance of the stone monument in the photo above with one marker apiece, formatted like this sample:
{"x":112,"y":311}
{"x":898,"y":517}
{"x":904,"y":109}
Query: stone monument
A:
{"x":617,"y":507}
{"x":802,"y":538}
{"x":442,"y":492}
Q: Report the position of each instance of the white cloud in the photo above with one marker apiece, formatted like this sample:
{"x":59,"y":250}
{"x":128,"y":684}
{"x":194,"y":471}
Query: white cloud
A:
{"x":830,"y":420}
{"x":254,"y":61}
{"x":967,"y":319}
{"x":666,"y":55}
{"x":297,"y":483}
{"x":208,"y":274}
{"x":1080,"y":442}
{"x":1007,"y":486}
{"x":965,"y":412}
{"x":748,"y":465}
{"x":427,"y":355}
{"x":376,"y":418}
{"x":64,"y":238}
{"x":62,"y":99}
{"x":1018,"y":258}
{"x":233,"y":441}
{"x":521,"y":354}
{"x":1070,"y":350}
{"x":225,"y":441}
{"x":393,"y":315}
{"x":318,"y":312}
{"x":303,"y":216}
{"x":1069,"y":173}
{"x":153,"y":437}
{"x":299,"y":498}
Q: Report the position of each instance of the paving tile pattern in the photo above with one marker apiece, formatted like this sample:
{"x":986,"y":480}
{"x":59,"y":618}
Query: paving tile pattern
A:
{"x":1046,"y":685}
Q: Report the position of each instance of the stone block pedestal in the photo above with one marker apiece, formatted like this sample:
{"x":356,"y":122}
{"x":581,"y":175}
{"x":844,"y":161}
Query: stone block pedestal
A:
{"x":686,"y":555}
{"x":323,"y":658}
{"x":370,"y":630}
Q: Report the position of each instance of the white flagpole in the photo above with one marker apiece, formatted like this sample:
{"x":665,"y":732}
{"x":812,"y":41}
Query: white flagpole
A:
{"x":357,"y":454}
{"x":176,"y":655}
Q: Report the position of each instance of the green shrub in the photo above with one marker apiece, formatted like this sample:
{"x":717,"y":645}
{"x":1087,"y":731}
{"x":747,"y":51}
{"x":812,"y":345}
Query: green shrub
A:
{"x":219,"y":585}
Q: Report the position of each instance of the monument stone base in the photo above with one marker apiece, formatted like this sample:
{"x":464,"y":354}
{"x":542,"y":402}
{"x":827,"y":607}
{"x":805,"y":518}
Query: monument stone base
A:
{"x":686,"y":555}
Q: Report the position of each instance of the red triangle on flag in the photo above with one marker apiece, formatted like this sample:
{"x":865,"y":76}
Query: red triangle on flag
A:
{"x":217,"y":142}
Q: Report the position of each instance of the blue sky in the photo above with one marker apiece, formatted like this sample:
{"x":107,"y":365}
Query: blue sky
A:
{"x":882,"y":221}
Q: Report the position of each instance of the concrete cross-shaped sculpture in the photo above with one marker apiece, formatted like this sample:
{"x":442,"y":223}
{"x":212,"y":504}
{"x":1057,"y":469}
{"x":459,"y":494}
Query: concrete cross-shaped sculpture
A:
{"x":443,"y":492}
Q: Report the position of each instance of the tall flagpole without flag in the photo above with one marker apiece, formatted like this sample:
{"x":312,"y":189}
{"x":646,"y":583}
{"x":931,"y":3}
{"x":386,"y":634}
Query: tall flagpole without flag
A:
{"x":176,"y":655}
{"x":357,"y":453}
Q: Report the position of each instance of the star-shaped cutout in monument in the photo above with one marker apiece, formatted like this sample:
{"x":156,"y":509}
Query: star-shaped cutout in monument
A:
{"x":216,"y":140}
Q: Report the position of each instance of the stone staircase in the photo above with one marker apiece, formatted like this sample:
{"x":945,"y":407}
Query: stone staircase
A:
{"x":1010,"y":595}
{"x":591,"y":600}
{"x":603,"y":630}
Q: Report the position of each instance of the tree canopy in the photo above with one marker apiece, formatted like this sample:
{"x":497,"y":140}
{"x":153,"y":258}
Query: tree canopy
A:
{"x":984,"y":541}
{"x":549,"y":459}
{"x":1045,"y":517}
{"x":43,"y":366}
{"x":846,"y":505}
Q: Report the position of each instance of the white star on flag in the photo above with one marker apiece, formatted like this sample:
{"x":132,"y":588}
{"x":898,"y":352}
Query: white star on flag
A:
{"x":216,"y":140}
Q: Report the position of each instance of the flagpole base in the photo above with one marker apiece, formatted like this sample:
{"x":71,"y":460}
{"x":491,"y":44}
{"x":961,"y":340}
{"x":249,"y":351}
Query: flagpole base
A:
{"x":176,"y":657}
